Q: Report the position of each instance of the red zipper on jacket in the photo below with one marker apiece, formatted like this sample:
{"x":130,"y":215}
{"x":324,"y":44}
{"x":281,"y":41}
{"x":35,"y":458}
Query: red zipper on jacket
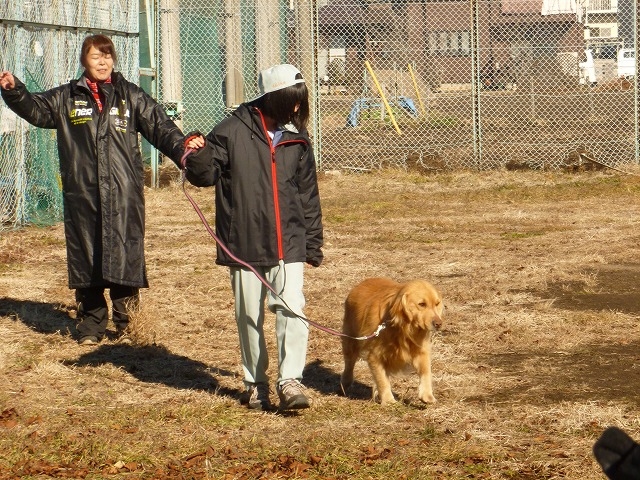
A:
{"x":274,"y":186}
{"x":274,"y":183}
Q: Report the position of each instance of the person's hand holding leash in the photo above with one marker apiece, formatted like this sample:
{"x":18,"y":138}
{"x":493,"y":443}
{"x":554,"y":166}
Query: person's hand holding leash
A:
{"x":196,"y":165}
{"x":195,"y":142}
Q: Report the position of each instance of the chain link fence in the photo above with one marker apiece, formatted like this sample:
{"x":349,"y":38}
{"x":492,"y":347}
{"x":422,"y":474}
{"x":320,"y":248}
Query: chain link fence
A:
{"x":477,"y":84}
{"x":40,"y":43}
{"x":437,"y":85}
{"x":431,"y":84}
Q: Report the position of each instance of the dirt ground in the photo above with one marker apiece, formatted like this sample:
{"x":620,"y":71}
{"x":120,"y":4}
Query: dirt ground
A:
{"x":538,"y":354}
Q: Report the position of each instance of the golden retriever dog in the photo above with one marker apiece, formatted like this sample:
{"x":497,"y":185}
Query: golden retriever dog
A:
{"x":410,"y":313}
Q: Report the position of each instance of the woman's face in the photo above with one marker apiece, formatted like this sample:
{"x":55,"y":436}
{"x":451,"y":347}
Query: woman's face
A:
{"x":98,"y":65}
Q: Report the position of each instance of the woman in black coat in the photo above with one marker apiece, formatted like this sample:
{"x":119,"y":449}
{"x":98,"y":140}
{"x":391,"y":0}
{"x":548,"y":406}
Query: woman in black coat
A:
{"x":98,"y":118}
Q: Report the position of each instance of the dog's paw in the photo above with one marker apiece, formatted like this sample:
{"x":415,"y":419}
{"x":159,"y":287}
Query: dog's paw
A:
{"x":428,"y":398}
{"x":387,"y":400}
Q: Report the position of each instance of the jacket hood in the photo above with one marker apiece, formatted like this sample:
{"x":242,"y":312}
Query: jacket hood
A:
{"x":250,"y":118}
{"x":248,"y":114}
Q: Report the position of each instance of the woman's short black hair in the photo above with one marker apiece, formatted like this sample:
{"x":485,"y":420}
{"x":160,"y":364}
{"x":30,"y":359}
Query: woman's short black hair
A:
{"x":102,"y":44}
{"x":281,"y":104}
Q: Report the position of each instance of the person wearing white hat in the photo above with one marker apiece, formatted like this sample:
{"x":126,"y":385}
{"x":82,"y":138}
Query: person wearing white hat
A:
{"x":268,"y":215}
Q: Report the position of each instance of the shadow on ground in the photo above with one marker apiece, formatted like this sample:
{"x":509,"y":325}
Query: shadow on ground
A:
{"x":156,"y":364}
{"x":327,"y":382}
{"x":151,"y":364}
{"x":614,"y":287}
{"x":39,"y":316}
{"x":602,"y":373}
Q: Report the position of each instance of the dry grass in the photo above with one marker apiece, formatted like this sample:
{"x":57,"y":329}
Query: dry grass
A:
{"x":142,"y":326}
{"x":537,"y":356}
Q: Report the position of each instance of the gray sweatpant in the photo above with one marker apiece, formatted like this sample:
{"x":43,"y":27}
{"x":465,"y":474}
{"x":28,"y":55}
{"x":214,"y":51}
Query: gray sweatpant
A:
{"x":292,"y":332}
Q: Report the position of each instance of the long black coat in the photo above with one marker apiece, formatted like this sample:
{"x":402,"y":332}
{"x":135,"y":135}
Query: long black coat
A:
{"x":267,"y":199}
{"x":102,"y":172}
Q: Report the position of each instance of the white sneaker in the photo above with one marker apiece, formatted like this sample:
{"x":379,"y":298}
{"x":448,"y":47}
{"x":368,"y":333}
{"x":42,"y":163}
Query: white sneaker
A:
{"x":292,"y":397}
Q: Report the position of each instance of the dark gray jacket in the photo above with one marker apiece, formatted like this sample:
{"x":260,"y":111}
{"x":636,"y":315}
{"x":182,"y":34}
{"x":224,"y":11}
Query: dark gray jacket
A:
{"x":102,"y":172}
{"x":267,"y":199}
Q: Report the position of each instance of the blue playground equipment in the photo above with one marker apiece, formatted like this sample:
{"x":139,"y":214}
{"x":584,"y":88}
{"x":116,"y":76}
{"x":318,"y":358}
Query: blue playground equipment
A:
{"x":405,"y":103}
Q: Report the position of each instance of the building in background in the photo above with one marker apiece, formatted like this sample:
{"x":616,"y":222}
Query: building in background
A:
{"x":511,"y":35}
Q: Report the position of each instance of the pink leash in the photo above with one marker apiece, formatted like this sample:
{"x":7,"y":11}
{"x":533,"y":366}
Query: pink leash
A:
{"x":183,"y":163}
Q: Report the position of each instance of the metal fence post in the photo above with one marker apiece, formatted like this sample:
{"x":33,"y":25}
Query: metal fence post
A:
{"x":476,"y":84}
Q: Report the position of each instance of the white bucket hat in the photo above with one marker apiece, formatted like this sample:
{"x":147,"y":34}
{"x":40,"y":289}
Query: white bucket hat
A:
{"x":276,"y":78}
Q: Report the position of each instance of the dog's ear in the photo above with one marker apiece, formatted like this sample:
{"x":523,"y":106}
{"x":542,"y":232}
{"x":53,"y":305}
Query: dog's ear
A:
{"x":401,"y":309}
{"x":410,"y":309}
{"x":405,"y":306}
{"x":397,"y":309}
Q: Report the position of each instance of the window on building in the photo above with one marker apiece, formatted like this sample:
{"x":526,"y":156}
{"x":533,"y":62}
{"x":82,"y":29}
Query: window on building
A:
{"x":443,"y":43}
{"x":599,"y":32}
{"x":465,"y":43}
{"x":605,"y":32}
{"x":450,"y":43}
